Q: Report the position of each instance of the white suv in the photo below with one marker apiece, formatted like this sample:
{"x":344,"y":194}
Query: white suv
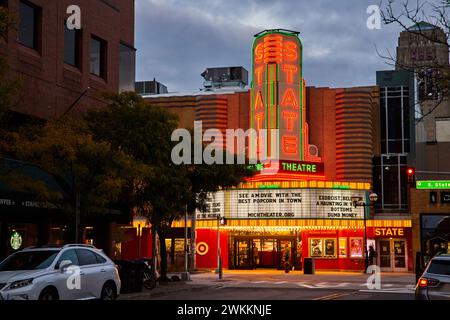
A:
{"x":71,"y":272}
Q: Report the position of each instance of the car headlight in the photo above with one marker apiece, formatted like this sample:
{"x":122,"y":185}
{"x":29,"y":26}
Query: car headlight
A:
{"x":20,"y":284}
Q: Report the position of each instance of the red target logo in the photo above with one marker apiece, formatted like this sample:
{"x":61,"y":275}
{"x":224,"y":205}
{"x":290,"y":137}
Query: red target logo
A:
{"x":202,"y":248}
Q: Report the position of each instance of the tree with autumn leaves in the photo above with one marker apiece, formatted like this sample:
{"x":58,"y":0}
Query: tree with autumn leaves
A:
{"x":115,"y":157}
{"x":120,"y":153}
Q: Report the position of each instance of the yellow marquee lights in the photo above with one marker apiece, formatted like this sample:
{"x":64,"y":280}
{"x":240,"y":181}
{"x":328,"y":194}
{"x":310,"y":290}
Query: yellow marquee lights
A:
{"x":284,"y":229}
{"x":299,"y":223}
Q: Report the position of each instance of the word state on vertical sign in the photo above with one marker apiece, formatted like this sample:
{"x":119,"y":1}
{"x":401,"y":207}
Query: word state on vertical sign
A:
{"x":277,"y":96}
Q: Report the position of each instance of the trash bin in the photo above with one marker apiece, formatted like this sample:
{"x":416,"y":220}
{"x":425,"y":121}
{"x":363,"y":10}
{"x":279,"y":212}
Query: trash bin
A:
{"x":308,"y":266}
{"x":131,"y":275}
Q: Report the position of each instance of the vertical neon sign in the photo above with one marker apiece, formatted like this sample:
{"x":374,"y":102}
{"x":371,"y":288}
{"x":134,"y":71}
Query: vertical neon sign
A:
{"x":277,"y":96}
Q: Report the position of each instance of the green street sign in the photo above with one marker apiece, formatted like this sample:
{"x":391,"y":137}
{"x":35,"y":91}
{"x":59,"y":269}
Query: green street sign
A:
{"x":433,"y":184}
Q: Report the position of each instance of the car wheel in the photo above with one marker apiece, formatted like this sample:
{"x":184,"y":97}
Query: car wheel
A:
{"x":49,"y":294}
{"x":109,"y":292}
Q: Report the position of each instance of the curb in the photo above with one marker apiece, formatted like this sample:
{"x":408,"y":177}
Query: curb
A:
{"x":155,"y":292}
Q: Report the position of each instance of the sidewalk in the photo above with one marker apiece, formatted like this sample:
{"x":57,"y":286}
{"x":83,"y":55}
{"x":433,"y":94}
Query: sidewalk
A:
{"x":160,"y":290}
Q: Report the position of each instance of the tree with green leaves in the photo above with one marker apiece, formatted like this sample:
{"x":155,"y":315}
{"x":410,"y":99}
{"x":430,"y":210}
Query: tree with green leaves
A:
{"x":91,"y":174}
{"x":145,"y":132}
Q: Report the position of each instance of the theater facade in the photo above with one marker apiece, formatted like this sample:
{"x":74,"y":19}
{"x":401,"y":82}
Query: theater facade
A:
{"x":321,"y":161}
{"x":317,"y":166}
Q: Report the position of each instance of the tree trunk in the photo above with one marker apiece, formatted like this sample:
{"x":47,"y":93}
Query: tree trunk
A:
{"x":154,"y":248}
{"x":192,"y":251}
{"x":3,"y":239}
{"x":163,"y":252}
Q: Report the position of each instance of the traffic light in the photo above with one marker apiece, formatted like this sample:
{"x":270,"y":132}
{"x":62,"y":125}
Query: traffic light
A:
{"x":410,"y":172}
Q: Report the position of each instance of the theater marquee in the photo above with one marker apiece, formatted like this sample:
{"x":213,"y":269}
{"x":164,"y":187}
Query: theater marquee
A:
{"x":283,"y":203}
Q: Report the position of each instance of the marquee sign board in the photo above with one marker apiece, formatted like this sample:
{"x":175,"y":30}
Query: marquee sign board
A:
{"x":285,"y":204}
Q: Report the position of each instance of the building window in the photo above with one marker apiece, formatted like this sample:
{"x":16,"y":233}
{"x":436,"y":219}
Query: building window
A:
{"x":394,"y":112}
{"x":29,"y":25}
{"x":442,"y":129}
{"x":72,"y":46}
{"x":98,"y":57}
{"x":389,"y":182}
{"x":127,"y":68}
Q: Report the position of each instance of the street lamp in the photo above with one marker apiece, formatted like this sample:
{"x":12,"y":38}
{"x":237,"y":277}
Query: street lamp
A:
{"x":139,"y":223}
{"x":220,"y":221}
{"x":358,"y":202}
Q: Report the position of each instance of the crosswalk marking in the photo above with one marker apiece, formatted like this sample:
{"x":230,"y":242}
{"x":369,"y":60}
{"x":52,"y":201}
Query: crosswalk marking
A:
{"x":321,"y":284}
{"x":302,"y":284}
{"x":389,"y":291}
{"x":343,"y":284}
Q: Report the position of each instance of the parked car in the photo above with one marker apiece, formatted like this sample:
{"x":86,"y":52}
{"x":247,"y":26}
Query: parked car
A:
{"x":434,"y":284}
{"x":70,"y":272}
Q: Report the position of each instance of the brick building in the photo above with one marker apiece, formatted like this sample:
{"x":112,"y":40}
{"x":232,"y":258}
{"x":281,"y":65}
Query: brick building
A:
{"x":61,"y":70}
{"x":56,"y":65}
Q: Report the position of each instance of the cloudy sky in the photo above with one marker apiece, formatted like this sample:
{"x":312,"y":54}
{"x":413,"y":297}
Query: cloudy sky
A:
{"x":178,"y":39}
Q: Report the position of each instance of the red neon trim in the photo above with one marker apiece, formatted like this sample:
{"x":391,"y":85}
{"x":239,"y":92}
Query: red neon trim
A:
{"x":259,"y":101}
{"x":259,"y":73}
{"x":290,"y":71}
{"x":259,"y":52}
{"x":259,"y":117}
{"x":289,"y":99}
{"x":289,"y":144}
{"x":290,"y":51}
{"x":289,"y":116}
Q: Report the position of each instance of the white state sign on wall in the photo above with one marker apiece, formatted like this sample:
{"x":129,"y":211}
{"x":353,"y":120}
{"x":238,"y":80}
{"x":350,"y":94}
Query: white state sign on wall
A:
{"x":285,"y":203}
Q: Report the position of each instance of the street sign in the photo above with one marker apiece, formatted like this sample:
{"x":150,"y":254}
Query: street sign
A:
{"x":433,"y":184}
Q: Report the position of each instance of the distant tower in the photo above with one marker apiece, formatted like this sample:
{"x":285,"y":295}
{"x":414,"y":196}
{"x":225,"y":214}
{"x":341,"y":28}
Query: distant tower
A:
{"x":423,"y":49}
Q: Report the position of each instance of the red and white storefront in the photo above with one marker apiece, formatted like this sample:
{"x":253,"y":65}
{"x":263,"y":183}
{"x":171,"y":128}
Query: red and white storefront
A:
{"x":334,"y":243}
{"x":300,"y":201}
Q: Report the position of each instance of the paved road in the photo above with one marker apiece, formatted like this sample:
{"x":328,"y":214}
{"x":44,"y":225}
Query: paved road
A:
{"x":223,"y":293}
{"x":277,"y":279}
{"x":276,"y":285}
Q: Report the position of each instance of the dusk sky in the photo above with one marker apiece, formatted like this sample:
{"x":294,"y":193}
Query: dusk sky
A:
{"x":178,"y":39}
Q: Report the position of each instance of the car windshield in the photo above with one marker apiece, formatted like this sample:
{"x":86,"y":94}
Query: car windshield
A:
{"x":440,"y":267}
{"x":29,"y":260}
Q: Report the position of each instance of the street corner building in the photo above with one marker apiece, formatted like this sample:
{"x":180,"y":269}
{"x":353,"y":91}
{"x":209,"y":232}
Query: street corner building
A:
{"x":312,"y":200}
{"x":62,"y":70}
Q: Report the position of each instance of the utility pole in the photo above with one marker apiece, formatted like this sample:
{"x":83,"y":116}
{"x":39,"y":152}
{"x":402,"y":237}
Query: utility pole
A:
{"x":219,"y":259}
{"x":185,"y":241}
{"x":77,"y":217}
{"x":192,"y":258}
